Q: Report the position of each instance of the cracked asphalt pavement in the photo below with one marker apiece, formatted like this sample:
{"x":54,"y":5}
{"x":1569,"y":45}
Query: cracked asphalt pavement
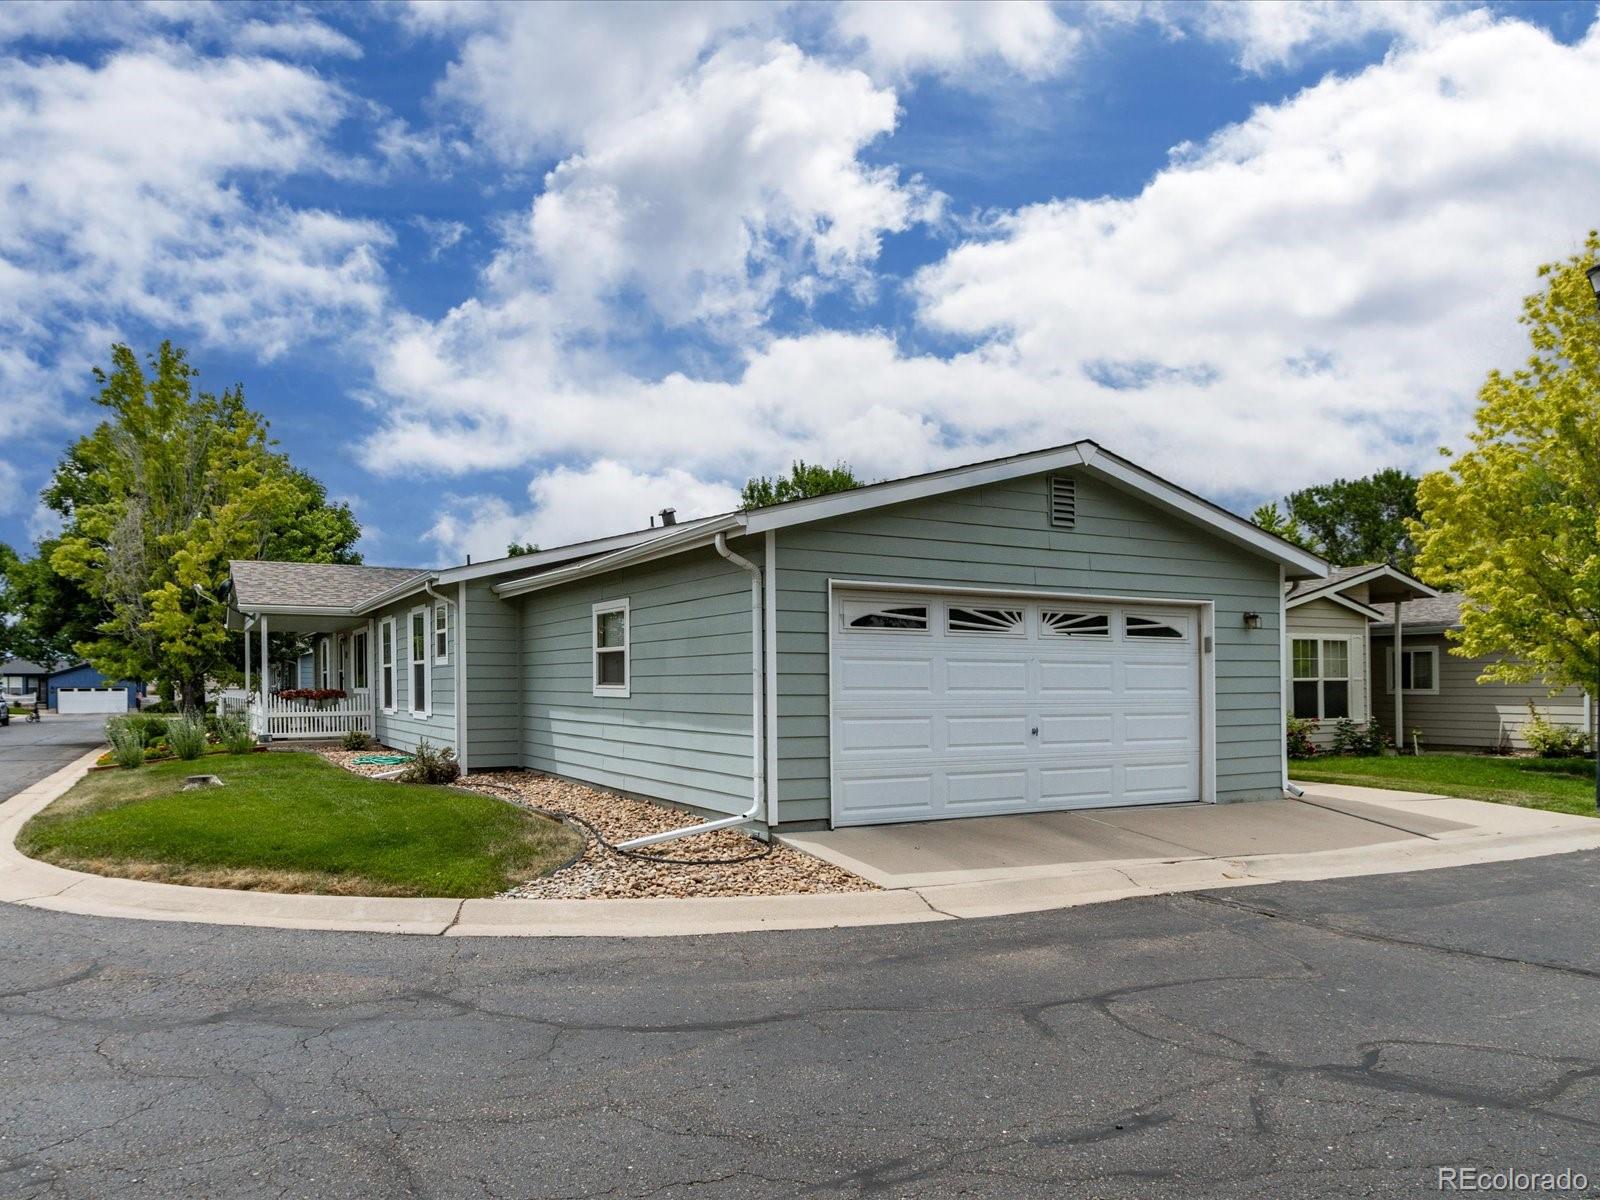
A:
{"x":1340,"y":1038}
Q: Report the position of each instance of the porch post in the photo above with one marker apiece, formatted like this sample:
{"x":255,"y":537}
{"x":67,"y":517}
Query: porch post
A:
{"x":266,"y":721}
{"x":247,"y":664}
{"x":1399,"y":687}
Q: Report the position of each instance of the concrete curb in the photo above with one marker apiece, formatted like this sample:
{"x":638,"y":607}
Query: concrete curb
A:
{"x":1510,"y":834}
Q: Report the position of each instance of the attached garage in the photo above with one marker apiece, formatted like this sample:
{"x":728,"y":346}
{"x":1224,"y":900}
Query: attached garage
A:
{"x":961,"y":704}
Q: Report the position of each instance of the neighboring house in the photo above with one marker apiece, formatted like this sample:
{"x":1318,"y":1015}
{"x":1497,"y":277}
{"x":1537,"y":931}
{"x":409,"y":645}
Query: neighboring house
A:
{"x":1060,"y":629}
{"x":1327,"y":666}
{"x":1443,"y":697}
{"x":81,"y":688}
{"x":19,"y":677}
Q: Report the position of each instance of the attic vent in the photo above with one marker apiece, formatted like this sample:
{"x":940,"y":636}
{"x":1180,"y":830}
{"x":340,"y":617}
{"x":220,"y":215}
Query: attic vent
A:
{"x":1063,"y":502}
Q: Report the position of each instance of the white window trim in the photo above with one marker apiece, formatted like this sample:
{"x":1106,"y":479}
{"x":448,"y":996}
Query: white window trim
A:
{"x":625,"y":689}
{"x":358,"y":661}
{"x":323,"y":655}
{"x":1433,"y":653}
{"x":1352,"y":696}
{"x":412,"y":662}
{"x":393,"y":665}
{"x":441,"y":656}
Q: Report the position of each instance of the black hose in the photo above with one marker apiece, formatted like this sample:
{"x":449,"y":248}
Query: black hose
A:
{"x":591,"y":831}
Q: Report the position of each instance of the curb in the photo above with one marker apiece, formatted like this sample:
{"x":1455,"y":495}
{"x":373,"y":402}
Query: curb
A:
{"x":36,"y":884}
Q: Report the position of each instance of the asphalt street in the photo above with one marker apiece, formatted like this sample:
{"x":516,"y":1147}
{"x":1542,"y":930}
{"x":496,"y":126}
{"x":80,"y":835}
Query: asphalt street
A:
{"x":30,"y":751}
{"x":1333,"y":1039}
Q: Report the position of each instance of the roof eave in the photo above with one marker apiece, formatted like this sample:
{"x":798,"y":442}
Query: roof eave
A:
{"x":691,"y":538}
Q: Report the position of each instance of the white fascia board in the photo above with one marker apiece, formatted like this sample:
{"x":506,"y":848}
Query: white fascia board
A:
{"x":559,"y":554}
{"x":687,"y":538}
{"x":839,"y":504}
{"x":1366,"y":610}
{"x":399,"y":592}
{"x":1376,"y":571}
{"x":1223,"y":523}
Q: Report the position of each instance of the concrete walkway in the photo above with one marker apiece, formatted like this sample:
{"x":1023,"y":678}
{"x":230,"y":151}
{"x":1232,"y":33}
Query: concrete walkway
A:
{"x":936,"y":872}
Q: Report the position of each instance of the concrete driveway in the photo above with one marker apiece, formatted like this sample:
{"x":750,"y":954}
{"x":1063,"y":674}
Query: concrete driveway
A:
{"x":1339,"y":1038}
{"x":998,"y":848}
{"x":29,"y":752}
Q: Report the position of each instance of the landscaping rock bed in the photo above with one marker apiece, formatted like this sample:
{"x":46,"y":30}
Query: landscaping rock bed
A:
{"x":347,"y":759}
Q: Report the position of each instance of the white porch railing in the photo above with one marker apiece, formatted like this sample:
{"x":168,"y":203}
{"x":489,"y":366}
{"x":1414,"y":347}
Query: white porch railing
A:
{"x":309,"y":719}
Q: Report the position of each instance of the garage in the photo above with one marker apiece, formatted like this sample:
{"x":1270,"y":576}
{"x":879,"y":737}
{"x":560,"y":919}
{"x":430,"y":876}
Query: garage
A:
{"x":91,"y":700}
{"x":964,"y":704}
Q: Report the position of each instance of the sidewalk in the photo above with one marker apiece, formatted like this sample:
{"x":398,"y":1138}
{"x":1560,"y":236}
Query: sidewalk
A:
{"x":1378,"y":832}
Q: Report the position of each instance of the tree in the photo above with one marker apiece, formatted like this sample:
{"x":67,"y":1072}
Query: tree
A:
{"x":804,"y":479}
{"x":42,"y":614}
{"x":1350,"y":521}
{"x":518,"y":549}
{"x":157,"y":500}
{"x":1514,"y":522}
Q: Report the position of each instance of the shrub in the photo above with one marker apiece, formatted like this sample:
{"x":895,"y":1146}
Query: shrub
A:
{"x":233,"y":731}
{"x":356,"y":740}
{"x":431,"y":766}
{"x":151,"y":730}
{"x":186,"y":735}
{"x":127,"y":744}
{"x":1297,"y":737}
{"x":1550,"y":740}
{"x":1352,"y":738}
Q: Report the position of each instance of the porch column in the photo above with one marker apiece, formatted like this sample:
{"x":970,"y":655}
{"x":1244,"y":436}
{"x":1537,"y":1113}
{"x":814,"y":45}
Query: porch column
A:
{"x":247,"y":664}
{"x":1399,"y":686}
{"x":266,"y":721}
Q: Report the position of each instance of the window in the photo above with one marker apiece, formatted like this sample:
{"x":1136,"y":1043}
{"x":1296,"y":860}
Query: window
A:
{"x":322,"y":663}
{"x":611,"y":648}
{"x":1149,"y":627}
{"x":1419,"y":670}
{"x":441,"y":634}
{"x":420,"y":698}
{"x":1074,"y":624}
{"x":358,"y":659}
{"x":1063,"y":502}
{"x":984,"y":620}
{"x":862,"y":614}
{"x":342,"y":651}
{"x":386,"y":663}
{"x":1321,"y":678}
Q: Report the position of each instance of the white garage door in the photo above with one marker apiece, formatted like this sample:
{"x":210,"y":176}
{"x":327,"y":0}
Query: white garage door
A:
{"x":91,"y":700}
{"x":961,"y":706}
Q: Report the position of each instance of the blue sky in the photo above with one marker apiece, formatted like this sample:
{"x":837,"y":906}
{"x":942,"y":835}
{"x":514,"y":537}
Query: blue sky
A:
{"x":536,"y":271}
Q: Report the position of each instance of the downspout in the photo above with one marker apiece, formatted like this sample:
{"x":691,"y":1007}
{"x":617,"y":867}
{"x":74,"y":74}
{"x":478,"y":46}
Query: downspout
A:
{"x":758,"y":767}
{"x":1283,"y":682}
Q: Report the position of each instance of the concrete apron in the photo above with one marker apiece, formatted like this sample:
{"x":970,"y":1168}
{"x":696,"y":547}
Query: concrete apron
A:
{"x":1427,"y":832}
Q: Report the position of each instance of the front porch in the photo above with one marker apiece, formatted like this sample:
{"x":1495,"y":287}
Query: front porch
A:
{"x":284,"y":701}
{"x":277,"y":716}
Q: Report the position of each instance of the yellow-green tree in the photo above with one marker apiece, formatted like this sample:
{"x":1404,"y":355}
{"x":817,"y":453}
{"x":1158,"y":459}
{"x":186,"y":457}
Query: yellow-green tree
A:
{"x":1514,"y":522}
{"x":155,"y":502}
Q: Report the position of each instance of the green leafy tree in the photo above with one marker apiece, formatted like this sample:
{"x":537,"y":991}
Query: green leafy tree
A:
{"x":157,"y":500}
{"x":518,"y":549}
{"x":1514,"y":521}
{"x":803,"y":480}
{"x":42,"y":614}
{"x":1350,"y":521}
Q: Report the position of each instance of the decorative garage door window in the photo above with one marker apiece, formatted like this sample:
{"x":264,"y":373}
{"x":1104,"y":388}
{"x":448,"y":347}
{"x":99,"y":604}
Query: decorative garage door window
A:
{"x":1149,"y":627}
{"x":984,"y":620}
{"x":1053,"y":623}
{"x":905,"y":617}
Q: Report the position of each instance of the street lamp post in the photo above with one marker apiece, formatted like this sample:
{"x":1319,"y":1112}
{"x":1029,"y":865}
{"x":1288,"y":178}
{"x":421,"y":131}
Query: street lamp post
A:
{"x":1593,"y":274}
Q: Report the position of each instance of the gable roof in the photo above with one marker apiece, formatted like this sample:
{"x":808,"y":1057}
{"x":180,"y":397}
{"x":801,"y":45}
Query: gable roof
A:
{"x":1442,"y":611}
{"x":1389,"y":583}
{"x":22,"y":666}
{"x":334,"y":587}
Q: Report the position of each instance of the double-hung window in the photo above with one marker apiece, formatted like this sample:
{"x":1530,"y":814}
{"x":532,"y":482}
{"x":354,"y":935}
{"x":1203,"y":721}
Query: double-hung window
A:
{"x":441,"y":634}
{"x":358,"y":660}
{"x":1419,"y":670}
{"x":611,"y":650}
{"x":1321,"y":678}
{"x":419,"y":680}
{"x":386,"y":663}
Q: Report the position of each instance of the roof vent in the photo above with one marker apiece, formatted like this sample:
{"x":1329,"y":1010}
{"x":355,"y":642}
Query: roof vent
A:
{"x":1063,"y":502}
{"x":669,"y":516}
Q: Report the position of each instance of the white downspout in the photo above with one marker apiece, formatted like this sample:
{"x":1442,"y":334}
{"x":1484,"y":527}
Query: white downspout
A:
{"x":1284,"y":675}
{"x":758,"y":766}
{"x":1399,"y":686}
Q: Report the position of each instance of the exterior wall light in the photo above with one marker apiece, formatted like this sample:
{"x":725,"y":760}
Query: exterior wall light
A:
{"x":1252,"y":620}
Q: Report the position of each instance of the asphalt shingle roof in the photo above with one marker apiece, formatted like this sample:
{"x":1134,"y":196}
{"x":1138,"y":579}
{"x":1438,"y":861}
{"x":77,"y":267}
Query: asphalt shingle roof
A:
{"x":1444,"y":609}
{"x":21,"y":666}
{"x":313,"y":585}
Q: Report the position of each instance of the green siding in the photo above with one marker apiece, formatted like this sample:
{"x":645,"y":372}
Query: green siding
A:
{"x":999,"y":536}
{"x":494,"y":679}
{"x":683,"y":734}
{"x":402,"y":729}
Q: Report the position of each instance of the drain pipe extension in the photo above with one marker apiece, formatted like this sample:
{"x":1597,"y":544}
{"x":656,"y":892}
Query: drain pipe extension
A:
{"x":758,"y":770}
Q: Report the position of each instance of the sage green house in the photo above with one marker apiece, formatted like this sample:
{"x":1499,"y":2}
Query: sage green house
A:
{"x":1059,"y":629}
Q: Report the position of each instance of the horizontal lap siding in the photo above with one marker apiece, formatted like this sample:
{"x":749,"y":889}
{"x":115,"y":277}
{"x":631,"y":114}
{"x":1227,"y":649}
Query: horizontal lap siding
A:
{"x":1466,"y":712}
{"x":402,"y":729}
{"x":494,"y":679}
{"x":684,"y":733}
{"x":1325,"y":619}
{"x":1000,"y":536}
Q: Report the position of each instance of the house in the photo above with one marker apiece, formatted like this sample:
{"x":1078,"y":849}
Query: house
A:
{"x":1328,"y":668}
{"x":1442,"y":697}
{"x":1058,"y":629}
{"x":80,"y":688}
{"x":19,"y":677}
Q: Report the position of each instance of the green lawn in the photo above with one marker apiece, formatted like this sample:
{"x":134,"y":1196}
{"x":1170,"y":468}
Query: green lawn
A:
{"x":1558,"y":784}
{"x":289,"y":822}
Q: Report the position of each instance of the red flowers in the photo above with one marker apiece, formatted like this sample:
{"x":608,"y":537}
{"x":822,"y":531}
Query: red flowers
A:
{"x":315,"y":695}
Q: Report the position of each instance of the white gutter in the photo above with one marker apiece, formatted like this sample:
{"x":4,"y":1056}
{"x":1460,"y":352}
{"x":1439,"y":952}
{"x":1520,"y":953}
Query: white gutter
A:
{"x":1283,"y":682}
{"x":758,"y":764}
{"x":690,"y":538}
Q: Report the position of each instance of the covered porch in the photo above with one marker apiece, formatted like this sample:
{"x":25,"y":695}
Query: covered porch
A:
{"x":337,"y":698}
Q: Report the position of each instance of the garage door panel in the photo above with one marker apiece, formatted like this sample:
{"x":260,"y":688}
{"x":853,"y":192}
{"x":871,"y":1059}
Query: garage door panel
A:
{"x":965,"y":723}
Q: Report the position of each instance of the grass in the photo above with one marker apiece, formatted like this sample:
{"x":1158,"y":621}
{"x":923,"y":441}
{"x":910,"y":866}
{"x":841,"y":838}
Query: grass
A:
{"x":1558,"y":784}
{"x":293,"y":822}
